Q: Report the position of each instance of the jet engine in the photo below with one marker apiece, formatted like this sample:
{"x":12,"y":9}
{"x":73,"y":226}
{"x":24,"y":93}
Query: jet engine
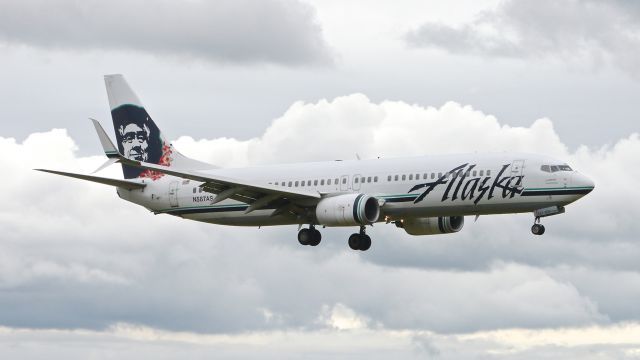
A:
{"x":432,"y":225}
{"x":348,"y":209}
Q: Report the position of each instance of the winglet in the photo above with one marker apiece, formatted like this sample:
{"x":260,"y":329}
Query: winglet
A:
{"x":109,"y":149}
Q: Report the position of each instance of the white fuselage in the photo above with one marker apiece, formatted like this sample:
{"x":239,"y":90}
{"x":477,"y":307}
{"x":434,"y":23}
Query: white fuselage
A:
{"x":455,"y":185}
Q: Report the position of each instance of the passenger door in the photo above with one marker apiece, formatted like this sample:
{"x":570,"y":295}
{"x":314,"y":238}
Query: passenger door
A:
{"x":516,"y":167}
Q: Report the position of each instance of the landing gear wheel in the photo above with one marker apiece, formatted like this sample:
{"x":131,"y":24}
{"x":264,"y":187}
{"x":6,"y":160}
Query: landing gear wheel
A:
{"x":309,"y":236}
{"x":537,"y":229}
{"x":305,"y":236}
{"x":316,"y":236}
{"x":360,"y":242}
{"x":365,"y":242}
{"x":354,"y":241}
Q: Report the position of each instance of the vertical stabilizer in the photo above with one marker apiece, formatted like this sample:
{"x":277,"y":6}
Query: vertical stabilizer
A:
{"x":137,"y":135}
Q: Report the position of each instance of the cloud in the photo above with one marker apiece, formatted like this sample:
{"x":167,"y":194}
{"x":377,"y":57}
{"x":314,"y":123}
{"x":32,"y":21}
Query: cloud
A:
{"x":94,"y":261}
{"x":595,"y":31}
{"x":231,"y":31}
{"x":127,"y":341}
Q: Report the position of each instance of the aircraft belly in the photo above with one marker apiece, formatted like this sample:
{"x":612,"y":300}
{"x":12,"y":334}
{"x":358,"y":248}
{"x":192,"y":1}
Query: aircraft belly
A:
{"x":239,"y":218}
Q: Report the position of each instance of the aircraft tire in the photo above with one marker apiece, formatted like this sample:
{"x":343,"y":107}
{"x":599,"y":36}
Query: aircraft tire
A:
{"x":316,"y":237}
{"x":305,"y":236}
{"x":365,"y":242}
{"x":354,"y":241}
{"x":537,"y":229}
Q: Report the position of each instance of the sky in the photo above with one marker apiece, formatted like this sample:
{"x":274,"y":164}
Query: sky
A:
{"x":253,"y":82}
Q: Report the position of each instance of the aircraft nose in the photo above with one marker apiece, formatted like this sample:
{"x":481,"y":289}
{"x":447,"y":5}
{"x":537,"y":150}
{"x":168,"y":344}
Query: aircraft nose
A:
{"x":583,"y":183}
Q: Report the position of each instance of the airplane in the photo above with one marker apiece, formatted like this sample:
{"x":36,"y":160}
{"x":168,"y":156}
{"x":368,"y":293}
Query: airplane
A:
{"x":425,"y":195}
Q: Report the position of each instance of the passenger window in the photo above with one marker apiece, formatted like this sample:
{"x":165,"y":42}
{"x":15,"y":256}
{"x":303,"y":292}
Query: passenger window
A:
{"x":344,"y":181}
{"x":315,"y":182}
{"x":329,"y":182}
{"x":488,"y":172}
{"x":322,"y":182}
{"x":433,"y":175}
{"x":439,"y":175}
{"x":467,"y":173}
{"x":369,"y":179}
{"x":425,"y":176}
{"x":289,"y":183}
{"x":396,"y":178}
{"x":389,"y":178}
{"x":375,"y":179}
{"x":296,"y":184}
{"x":355,"y":180}
{"x":336,"y":182}
{"x":194,"y":190}
{"x":481,"y":172}
{"x":200,"y":190}
{"x":362,"y":179}
{"x":475,"y":173}
{"x":404,"y":177}
{"x":410,"y":177}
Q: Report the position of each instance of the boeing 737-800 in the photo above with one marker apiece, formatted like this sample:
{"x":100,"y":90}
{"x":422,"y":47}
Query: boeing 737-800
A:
{"x":422,"y":195}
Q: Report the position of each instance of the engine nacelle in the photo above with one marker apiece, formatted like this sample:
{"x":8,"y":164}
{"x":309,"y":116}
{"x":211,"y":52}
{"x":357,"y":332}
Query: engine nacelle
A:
{"x":347,"y":210}
{"x":432,"y":225}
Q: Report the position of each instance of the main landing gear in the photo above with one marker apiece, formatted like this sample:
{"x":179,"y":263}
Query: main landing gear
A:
{"x":310,"y":236}
{"x":360,"y":241}
{"x":537,"y":228}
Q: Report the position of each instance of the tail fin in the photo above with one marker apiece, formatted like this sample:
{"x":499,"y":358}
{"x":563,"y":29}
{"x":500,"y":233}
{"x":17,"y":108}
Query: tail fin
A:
{"x":138,"y":137}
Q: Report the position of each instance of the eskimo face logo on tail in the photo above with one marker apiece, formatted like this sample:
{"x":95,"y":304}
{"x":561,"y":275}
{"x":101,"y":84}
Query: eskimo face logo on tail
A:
{"x":462,"y":186}
{"x":135,"y":141}
{"x":139,"y":139}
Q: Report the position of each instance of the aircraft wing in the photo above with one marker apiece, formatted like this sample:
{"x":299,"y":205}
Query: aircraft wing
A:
{"x":253,"y":193}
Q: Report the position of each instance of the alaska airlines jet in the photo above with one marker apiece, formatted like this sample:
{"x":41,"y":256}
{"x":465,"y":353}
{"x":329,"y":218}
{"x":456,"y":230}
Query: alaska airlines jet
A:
{"x":422,"y":195}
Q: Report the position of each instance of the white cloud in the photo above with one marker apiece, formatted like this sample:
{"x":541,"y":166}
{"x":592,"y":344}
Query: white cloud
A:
{"x":126,"y":341}
{"x":353,"y":124}
{"x":170,"y":274}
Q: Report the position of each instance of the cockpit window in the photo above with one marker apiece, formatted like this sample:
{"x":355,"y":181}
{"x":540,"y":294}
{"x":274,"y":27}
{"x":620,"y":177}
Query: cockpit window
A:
{"x":555,"y":168}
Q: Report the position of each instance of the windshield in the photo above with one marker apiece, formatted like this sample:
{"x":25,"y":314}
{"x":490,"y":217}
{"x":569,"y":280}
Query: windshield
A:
{"x":555,"y":168}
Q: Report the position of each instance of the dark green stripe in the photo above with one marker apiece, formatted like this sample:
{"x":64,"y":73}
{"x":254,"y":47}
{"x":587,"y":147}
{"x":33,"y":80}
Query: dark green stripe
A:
{"x":557,"y":192}
{"x":356,"y":204}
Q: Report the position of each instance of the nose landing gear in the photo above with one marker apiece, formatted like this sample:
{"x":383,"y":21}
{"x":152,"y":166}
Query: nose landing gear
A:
{"x":537,"y":228}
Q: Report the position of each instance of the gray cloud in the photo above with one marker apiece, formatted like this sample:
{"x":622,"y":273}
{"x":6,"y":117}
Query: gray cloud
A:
{"x":596,"y":31}
{"x":244,"y":31}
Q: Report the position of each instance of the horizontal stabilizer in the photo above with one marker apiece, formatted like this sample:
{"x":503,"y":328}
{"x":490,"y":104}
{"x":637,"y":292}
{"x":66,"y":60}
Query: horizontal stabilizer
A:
{"x":125,"y":184}
{"x":107,"y":145}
